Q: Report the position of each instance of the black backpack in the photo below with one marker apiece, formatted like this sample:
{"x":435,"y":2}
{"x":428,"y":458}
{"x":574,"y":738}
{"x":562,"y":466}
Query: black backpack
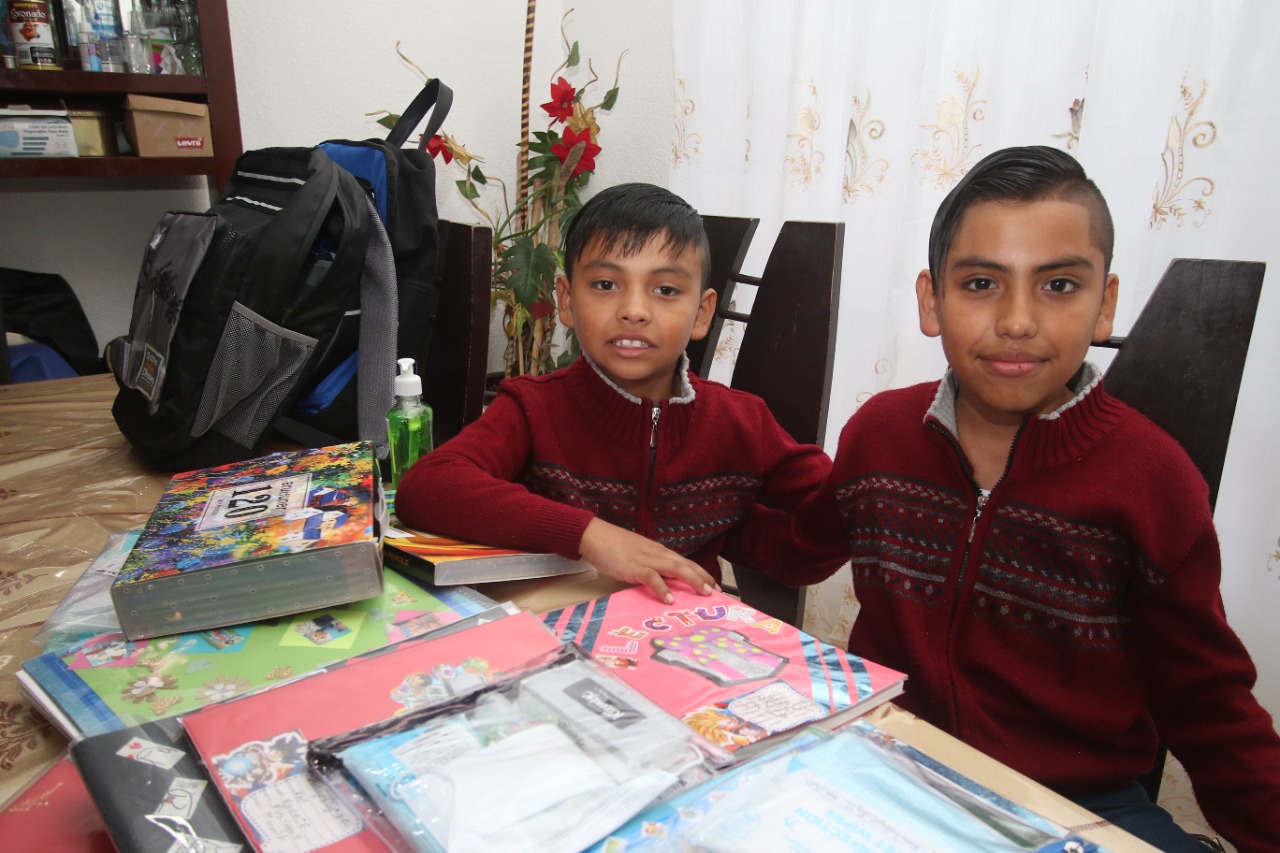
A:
{"x":238,"y":308}
{"x":401,"y":182}
{"x":299,"y":232}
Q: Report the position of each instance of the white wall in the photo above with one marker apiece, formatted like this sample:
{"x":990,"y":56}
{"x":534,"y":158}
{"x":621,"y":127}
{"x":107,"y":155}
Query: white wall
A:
{"x":309,"y":70}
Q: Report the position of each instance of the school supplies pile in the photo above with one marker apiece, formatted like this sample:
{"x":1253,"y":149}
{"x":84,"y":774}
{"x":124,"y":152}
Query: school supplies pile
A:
{"x":109,"y":682}
{"x":854,"y":789}
{"x":258,"y":539}
{"x":551,"y":758}
{"x":738,"y":677}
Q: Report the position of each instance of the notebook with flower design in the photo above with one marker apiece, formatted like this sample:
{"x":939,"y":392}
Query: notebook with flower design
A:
{"x":109,"y":682}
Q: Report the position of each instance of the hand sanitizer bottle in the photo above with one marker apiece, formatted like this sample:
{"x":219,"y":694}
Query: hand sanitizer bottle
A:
{"x":408,"y":422}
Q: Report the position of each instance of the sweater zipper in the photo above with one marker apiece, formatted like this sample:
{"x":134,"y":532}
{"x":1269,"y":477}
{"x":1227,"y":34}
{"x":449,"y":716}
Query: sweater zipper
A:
{"x":644,"y":520}
{"x":980,"y":503}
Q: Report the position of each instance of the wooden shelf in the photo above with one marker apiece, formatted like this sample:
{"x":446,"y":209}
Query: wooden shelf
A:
{"x":106,"y":90}
{"x":64,"y":84}
{"x":105,"y":167}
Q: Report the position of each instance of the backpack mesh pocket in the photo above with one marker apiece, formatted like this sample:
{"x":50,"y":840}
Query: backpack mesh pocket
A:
{"x":256,"y":365}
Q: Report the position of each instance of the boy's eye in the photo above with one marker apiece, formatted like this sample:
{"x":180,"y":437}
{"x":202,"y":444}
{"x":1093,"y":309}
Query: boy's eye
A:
{"x":667,"y":290}
{"x":979,"y":284}
{"x":1061,"y":285}
{"x":604,"y":284}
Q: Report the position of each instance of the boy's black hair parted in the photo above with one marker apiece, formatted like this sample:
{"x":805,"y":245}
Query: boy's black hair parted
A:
{"x":1030,"y":173}
{"x":628,"y":216}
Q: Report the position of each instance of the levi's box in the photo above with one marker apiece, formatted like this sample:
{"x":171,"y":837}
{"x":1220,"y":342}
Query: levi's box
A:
{"x":36,"y":131}
{"x":163,"y":127}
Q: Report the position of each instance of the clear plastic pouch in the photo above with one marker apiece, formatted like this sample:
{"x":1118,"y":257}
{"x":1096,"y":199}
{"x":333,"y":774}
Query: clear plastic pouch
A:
{"x":851,"y":790}
{"x":546,"y":761}
{"x":87,"y":608}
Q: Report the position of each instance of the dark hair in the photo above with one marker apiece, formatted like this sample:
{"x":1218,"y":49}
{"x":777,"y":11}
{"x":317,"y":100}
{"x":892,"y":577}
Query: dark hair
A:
{"x":628,"y":216}
{"x":1031,"y":173}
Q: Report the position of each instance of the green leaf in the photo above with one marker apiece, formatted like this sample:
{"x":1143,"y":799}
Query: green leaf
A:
{"x":389,"y":120}
{"x":467,"y":189}
{"x":531,"y":270}
{"x":572,"y":61}
{"x":478,"y":176}
{"x":610,"y":98}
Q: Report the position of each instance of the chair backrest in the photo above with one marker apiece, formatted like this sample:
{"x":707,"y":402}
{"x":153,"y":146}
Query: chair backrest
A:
{"x":1181,"y":365}
{"x":1182,"y":362}
{"x":787,"y":350}
{"x":453,"y":370}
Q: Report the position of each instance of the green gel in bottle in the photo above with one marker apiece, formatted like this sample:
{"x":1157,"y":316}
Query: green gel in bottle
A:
{"x":408,"y":422}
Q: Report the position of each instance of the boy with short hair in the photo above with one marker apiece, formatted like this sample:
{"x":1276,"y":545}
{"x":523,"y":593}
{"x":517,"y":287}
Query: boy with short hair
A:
{"x":625,"y":457}
{"x":1037,"y":556}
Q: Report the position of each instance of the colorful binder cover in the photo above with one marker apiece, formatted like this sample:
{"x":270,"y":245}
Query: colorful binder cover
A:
{"x":108,"y":682}
{"x":266,"y":537}
{"x":255,"y":747}
{"x":735,"y":675}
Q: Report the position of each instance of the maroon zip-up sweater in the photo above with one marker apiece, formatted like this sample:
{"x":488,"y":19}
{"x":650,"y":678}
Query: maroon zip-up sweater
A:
{"x":554,"y":451}
{"x":1069,"y":621}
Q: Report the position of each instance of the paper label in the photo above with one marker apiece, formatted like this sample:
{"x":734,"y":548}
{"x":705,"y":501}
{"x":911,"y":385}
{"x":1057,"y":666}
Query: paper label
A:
{"x":297,"y":815}
{"x":260,"y":499}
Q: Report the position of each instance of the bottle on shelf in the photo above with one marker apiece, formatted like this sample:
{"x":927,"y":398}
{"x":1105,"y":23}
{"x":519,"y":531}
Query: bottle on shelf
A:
{"x":90,"y":48}
{"x":137,"y":47}
{"x":409,"y":423}
{"x":31,"y":22}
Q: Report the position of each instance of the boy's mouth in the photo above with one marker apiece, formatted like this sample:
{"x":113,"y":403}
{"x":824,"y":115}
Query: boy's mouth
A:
{"x":631,"y":343}
{"x":1012,"y":363}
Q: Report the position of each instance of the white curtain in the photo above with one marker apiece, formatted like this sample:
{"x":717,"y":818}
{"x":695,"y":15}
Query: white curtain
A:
{"x":869,"y":112}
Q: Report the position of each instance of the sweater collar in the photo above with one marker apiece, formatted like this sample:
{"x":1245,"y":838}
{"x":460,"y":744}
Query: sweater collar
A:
{"x":629,"y":419}
{"x":1065,"y":434}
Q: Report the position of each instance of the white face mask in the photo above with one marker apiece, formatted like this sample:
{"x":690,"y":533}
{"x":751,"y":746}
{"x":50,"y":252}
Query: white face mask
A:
{"x":500,"y":777}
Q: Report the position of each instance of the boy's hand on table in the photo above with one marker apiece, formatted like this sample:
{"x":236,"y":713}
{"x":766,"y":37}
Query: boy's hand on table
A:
{"x":631,"y":558}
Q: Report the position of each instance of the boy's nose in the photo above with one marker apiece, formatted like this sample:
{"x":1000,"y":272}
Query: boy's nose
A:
{"x":1017,"y":317}
{"x":635,"y":308}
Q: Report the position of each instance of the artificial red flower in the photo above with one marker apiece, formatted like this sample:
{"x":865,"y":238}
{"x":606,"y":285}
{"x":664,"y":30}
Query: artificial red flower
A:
{"x":540,"y":310}
{"x":587,"y":162}
{"x":436,"y":147}
{"x":560,"y":107}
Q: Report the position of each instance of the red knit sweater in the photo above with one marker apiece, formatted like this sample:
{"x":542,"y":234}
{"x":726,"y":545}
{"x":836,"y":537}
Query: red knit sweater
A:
{"x":1069,"y":623}
{"x":553,"y":452}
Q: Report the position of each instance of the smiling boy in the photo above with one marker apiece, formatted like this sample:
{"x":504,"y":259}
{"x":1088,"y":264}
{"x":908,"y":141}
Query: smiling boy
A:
{"x":1036,"y":555}
{"x":625,"y":457}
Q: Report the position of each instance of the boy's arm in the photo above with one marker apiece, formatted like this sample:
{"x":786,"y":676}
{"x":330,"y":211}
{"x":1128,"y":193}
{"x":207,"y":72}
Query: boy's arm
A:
{"x":794,"y":533}
{"x":468,"y":488}
{"x":1201,"y":686}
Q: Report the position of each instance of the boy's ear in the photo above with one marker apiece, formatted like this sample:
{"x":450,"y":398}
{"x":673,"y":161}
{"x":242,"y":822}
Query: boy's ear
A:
{"x":1107,"y":313}
{"x":563,"y":303}
{"x":706,"y":313}
{"x":927,"y":302}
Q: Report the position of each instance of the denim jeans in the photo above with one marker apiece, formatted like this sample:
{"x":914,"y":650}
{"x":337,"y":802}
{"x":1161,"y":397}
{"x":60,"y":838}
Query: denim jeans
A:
{"x":1132,"y":810}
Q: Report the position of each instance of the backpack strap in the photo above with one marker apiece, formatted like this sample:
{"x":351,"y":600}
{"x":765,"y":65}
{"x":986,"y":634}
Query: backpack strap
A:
{"x":434,"y":94}
{"x":290,"y":235}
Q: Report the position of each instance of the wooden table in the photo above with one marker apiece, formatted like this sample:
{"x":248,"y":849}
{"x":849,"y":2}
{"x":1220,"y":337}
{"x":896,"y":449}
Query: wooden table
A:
{"x":68,"y":479}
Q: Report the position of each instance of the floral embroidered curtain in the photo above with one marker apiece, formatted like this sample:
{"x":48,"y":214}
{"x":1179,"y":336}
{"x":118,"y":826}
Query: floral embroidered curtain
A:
{"x":868,"y":113}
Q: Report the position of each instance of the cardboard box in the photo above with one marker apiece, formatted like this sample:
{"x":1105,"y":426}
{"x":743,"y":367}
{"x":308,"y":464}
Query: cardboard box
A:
{"x":95,"y":132}
{"x":163,"y":127}
{"x":36,"y":131}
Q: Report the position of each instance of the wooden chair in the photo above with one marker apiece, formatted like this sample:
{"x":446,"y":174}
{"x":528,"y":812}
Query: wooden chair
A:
{"x":788,"y":346}
{"x":454,"y":364}
{"x":1181,"y":365}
